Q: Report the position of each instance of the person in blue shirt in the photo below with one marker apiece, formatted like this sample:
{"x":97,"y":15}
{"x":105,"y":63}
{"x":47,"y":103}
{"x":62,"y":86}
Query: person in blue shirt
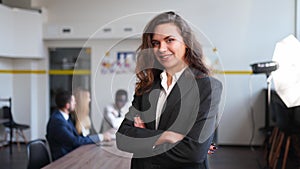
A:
{"x":61,"y":133}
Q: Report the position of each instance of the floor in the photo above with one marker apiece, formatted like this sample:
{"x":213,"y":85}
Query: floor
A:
{"x":226,"y":157}
{"x":233,"y":157}
{"x":18,"y":159}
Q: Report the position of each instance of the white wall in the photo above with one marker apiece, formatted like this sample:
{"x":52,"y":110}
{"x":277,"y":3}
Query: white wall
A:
{"x":20,"y":32}
{"x":6,"y":79}
{"x":6,"y":88}
{"x":29,"y":96}
{"x":6,"y":30}
{"x":244,"y":32}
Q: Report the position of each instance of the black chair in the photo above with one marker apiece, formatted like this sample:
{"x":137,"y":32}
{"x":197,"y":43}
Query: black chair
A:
{"x":12,"y":125}
{"x":38,"y":154}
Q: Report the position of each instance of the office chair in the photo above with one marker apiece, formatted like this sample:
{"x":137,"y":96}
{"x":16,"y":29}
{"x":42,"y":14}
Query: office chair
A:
{"x":38,"y":154}
{"x":11,"y":124}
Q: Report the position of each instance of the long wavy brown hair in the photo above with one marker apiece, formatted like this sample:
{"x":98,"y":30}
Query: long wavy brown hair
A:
{"x":148,"y":68}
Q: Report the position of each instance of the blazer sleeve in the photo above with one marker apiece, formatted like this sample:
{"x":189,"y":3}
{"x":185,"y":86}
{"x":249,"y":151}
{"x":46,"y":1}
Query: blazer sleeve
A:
{"x":194,"y":147}
{"x":63,"y":133}
{"x":136,"y":140}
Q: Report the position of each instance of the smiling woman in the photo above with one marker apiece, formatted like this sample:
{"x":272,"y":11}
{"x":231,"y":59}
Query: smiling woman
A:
{"x":173,"y":115}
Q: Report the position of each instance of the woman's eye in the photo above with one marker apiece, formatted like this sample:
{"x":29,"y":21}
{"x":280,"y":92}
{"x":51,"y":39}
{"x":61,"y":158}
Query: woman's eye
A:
{"x":155,"y":43}
{"x":169,"y":40}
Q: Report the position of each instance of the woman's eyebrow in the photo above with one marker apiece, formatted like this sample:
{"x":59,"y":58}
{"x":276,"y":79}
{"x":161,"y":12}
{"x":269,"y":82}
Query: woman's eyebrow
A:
{"x":167,"y":37}
{"x":170,"y":36}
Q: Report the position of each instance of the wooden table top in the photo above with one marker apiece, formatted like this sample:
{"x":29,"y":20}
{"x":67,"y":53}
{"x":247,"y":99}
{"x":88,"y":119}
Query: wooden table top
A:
{"x":91,"y":156}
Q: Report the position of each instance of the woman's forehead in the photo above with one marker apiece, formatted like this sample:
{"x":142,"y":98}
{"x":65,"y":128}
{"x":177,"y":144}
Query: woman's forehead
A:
{"x":165,"y":30}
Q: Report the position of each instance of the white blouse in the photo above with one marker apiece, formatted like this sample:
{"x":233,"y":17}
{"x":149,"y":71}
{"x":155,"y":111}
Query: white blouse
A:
{"x":165,"y":92}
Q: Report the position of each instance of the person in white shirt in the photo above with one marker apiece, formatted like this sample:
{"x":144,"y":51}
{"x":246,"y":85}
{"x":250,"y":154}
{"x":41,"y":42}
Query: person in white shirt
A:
{"x":114,"y":113}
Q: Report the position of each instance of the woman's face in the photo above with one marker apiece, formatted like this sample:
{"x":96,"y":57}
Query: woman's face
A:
{"x":169,"y":47}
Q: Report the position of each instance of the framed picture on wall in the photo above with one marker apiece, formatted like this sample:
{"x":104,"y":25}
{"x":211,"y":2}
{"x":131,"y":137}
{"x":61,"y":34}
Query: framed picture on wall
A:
{"x":121,"y":62}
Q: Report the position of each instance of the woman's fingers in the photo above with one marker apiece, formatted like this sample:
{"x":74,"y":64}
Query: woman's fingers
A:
{"x":138,"y":122}
{"x":212,"y":148}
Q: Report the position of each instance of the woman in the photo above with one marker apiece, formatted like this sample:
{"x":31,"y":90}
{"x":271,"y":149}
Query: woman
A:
{"x":82,"y":111}
{"x":173,"y":115}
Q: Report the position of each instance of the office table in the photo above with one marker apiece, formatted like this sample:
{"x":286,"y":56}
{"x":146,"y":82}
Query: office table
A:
{"x":93,"y":157}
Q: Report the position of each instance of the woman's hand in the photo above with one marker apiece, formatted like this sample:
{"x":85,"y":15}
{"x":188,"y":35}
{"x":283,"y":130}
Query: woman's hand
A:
{"x":169,"y":137}
{"x":212,"y":148}
{"x":106,"y":136}
{"x":166,"y":137}
{"x":138,"y":122}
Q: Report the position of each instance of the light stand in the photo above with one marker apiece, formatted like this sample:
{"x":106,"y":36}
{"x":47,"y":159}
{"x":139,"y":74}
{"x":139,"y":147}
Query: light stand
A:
{"x":266,"y":68}
{"x":268,"y":106}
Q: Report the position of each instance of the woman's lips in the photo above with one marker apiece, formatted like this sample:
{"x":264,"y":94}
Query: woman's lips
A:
{"x":164,"y":57}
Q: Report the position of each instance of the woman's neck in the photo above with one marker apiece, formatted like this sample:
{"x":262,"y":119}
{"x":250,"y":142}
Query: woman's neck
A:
{"x":169,"y":79}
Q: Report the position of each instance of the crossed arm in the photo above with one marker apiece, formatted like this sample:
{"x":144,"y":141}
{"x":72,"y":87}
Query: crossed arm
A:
{"x":169,"y":136}
{"x":175,"y":145}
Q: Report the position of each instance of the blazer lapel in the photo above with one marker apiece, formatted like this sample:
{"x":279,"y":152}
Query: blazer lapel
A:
{"x":150,"y":102}
{"x":168,"y":115}
{"x":172,"y":105}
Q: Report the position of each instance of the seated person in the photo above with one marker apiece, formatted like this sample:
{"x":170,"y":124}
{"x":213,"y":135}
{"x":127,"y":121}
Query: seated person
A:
{"x":81,"y":117}
{"x":61,"y":133}
{"x":115,"y":113}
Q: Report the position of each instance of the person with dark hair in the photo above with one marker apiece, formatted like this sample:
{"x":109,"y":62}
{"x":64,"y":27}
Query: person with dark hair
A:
{"x":114,"y":113}
{"x":61,"y":133}
{"x":173,"y":116}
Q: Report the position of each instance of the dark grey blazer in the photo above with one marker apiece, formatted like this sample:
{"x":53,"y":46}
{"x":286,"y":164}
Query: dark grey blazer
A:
{"x":191,"y":109}
{"x":63,"y":137}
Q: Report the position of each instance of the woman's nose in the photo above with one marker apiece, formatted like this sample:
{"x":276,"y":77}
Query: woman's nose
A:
{"x":163,"y":47}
